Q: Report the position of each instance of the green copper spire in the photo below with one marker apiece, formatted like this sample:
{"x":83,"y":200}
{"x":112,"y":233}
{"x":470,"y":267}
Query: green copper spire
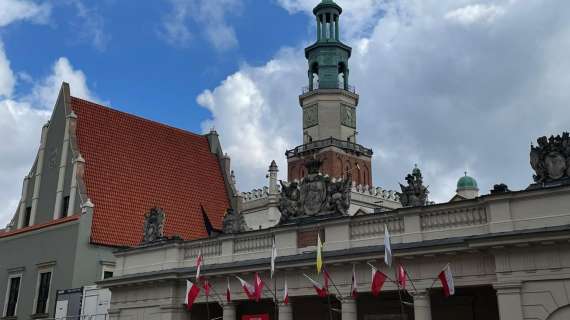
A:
{"x":328,"y":57}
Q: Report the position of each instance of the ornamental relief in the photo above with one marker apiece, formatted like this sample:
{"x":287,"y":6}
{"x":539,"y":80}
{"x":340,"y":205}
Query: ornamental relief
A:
{"x":348,"y":116}
{"x":310,"y":116}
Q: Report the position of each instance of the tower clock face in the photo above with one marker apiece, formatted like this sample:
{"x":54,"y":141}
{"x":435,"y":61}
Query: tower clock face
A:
{"x":310,"y":116}
{"x":348,"y":116}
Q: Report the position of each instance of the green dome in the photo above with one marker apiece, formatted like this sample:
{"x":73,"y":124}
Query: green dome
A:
{"x":466,"y":182}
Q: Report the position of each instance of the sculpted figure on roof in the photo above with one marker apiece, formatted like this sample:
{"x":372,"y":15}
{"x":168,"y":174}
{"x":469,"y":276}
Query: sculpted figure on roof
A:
{"x":550,"y":159}
{"x":154,"y":225}
{"x":233,"y":222}
{"x":415,"y":193}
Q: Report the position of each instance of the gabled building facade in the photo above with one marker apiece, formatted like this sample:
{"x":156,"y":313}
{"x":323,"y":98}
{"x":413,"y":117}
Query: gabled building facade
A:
{"x":97,"y":173}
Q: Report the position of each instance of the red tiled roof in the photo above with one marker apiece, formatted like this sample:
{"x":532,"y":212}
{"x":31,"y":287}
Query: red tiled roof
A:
{"x":39,"y":226}
{"x":133,"y":164}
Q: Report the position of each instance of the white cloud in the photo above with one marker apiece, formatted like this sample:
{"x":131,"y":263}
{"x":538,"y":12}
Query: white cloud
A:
{"x":475,"y":13}
{"x":90,"y":25}
{"x":7,"y":79}
{"x":449,"y":99}
{"x":14,"y":10}
{"x":207,"y":15}
{"x":21,"y":120}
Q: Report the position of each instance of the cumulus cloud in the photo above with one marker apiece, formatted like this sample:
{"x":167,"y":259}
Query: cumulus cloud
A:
{"x":21,"y":120}
{"x":14,"y":10}
{"x":209,"y":15}
{"x":432,"y":92}
{"x":475,"y":13}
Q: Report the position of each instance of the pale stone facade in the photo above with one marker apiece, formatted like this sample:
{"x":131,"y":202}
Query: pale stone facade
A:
{"x":509,"y":252}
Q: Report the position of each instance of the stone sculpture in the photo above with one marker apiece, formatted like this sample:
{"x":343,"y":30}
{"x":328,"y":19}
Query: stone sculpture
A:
{"x":154,"y":225}
{"x":415,"y":193}
{"x":233,"y":222}
{"x":550,"y":159}
{"x":316,"y":194}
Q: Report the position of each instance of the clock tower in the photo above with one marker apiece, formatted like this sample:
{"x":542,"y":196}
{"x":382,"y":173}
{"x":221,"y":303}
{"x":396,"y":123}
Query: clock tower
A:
{"x":328,"y":105}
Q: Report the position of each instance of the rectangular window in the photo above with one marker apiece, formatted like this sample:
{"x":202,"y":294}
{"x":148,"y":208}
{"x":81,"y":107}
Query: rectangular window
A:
{"x":107,"y":274}
{"x":43,"y":292}
{"x":65,"y":207}
{"x":12,"y":296}
{"x":27,"y":216}
{"x":107,"y":270}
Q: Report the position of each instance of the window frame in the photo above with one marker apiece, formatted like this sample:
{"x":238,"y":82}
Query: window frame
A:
{"x":107,"y":267}
{"x":7,"y":296}
{"x":41,"y":270}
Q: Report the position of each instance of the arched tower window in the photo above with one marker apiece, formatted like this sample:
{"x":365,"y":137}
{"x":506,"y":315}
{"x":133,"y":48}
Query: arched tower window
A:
{"x":314,"y":76}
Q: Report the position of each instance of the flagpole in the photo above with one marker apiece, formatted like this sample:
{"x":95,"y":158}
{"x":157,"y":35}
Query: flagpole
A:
{"x":276,"y":301}
{"x":217,"y":295}
{"x":399,"y":295}
{"x":411,"y":280}
{"x":334,"y":285}
{"x":207,"y":307}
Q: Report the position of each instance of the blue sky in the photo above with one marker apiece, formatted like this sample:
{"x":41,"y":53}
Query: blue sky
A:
{"x":450,"y":85}
{"x":134,"y":68}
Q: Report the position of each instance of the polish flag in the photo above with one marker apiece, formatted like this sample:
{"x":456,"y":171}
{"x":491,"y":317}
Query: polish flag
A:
{"x":258,"y":287}
{"x":207,"y":286}
{"x":354,"y":285}
{"x":401,"y":275}
{"x":321,"y":290}
{"x":326,"y":278}
{"x":198,"y":265}
{"x":446,"y":279}
{"x":192,"y":292}
{"x":228,"y":292}
{"x":285,"y":294}
{"x":248,"y":289}
{"x":378,"y":279}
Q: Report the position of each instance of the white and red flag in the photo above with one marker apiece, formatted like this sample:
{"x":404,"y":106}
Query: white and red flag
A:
{"x":354,"y":285}
{"x":192,"y":292}
{"x":273,"y":257}
{"x":321,"y":290}
{"x":247,"y":288}
{"x":258,"y":287}
{"x":198,"y":265}
{"x":378,"y":279}
{"x":207,"y":286}
{"x":387,"y":247}
{"x":228,"y":292}
{"x":285,"y":294}
{"x":446,"y":279}
{"x":401,"y":276}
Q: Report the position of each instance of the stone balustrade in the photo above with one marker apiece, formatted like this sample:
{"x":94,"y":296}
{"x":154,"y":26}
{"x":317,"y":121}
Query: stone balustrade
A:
{"x":494,"y":214}
{"x":461,"y":217}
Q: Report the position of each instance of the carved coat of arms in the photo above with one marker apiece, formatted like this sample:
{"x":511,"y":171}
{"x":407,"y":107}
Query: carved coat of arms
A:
{"x":315,"y":194}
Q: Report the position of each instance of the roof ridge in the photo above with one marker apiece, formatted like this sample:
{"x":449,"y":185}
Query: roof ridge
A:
{"x":134,"y":116}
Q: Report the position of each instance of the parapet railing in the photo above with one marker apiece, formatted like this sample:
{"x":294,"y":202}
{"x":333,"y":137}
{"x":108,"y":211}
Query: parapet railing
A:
{"x":340,"y":85}
{"x":319,"y":144}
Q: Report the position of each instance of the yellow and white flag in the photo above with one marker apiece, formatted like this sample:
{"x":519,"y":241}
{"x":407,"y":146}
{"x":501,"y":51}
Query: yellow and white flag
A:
{"x":319,"y":253}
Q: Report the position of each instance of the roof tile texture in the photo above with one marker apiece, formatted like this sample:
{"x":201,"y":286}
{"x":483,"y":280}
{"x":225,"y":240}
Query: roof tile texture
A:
{"x":133,"y":164}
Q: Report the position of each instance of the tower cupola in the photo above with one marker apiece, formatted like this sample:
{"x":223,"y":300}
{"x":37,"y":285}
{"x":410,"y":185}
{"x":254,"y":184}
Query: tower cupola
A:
{"x":328,"y":57}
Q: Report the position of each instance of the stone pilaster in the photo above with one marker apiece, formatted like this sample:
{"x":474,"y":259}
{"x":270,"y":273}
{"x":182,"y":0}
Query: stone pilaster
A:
{"x":22,"y":208}
{"x":38,"y":178}
{"x":509,"y":300}
{"x":78,"y":169}
{"x":422,"y":305}
{"x":229,"y":311}
{"x":348,"y":307}
{"x":58,"y":209}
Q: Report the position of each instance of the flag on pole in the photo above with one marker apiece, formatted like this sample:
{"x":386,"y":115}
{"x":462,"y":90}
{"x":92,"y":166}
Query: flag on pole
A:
{"x":192,"y":292}
{"x":207,"y":286}
{"x":258,"y":287}
{"x":319,"y":253}
{"x":247,"y":288}
{"x":401,"y":276}
{"x":354,"y":285}
{"x":228,"y":292}
{"x":321,"y":290}
{"x":273,"y":257}
{"x":446,"y":279}
{"x":326,"y":278}
{"x":198,"y":265}
{"x":285,"y":294}
{"x":378,"y":279}
{"x":387,"y":247}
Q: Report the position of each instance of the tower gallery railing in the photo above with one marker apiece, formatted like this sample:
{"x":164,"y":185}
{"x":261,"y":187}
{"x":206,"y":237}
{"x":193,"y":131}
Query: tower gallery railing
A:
{"x":347,"y":145}
{"x":340,"y":85}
